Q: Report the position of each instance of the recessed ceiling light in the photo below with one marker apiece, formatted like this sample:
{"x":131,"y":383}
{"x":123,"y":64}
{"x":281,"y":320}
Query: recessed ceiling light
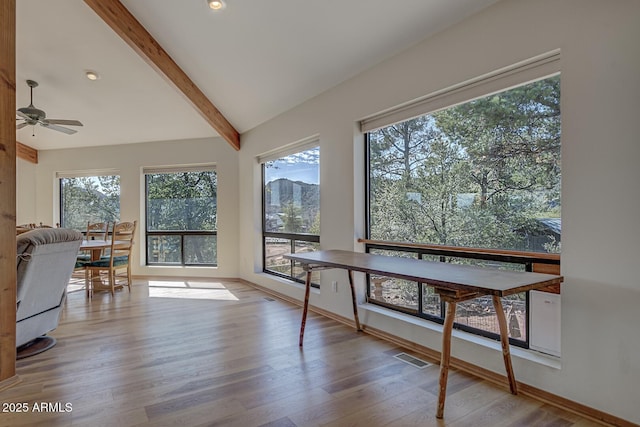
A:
{"x":92,"y":75}
{"x":216,"y":4}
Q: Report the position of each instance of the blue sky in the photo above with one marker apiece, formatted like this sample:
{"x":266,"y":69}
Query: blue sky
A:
{"x":303,"y":166}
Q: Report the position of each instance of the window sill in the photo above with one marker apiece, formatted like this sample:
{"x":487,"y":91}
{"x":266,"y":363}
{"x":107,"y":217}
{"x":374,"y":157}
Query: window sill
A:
{"x":288,"y":282}
{"x":521,"y":353}
{"x":191,"y":267}
{"x":291,"y":284}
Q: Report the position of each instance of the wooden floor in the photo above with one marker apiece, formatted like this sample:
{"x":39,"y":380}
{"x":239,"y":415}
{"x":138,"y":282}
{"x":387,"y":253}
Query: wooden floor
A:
{"x":211,"y":353}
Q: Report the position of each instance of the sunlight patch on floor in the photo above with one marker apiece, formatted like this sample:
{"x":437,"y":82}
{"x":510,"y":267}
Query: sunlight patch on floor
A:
{"x":190,"y":290}
{"x":76,"y":283}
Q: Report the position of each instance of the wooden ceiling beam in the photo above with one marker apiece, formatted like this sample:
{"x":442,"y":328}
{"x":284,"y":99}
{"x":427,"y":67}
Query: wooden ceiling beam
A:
{"x":26,"y":153}
{"x":118,"y":17}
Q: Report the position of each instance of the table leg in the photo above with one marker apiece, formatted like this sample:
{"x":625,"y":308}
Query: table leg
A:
{"x":92,"y":278}
{"x":445,"y":356}
{"x":306,"y":305}
{"x":96,"y":280}
{"x":88,"y":284}
{"x":504,"y":340}
{"x":353,"y":301}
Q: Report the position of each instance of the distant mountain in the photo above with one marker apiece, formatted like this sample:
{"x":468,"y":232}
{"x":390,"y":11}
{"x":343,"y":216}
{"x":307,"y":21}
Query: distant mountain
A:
{"x":283,"y":192}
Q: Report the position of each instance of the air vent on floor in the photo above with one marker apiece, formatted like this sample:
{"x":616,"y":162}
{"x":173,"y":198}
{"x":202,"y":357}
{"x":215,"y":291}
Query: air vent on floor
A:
{"x":269,"y":299}
{"x":413,"y":361}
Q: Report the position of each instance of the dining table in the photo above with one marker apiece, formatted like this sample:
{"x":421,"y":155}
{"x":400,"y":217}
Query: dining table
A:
{"x":96,"y":248}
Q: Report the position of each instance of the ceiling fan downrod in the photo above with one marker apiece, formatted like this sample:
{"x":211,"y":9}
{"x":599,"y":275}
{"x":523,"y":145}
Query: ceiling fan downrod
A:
{"x":32,"y":84}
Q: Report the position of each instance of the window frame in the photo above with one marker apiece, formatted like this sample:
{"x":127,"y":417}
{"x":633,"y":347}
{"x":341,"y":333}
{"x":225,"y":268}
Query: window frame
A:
{"x":305,"y":145}
{"x":520,"y":259}
{"x":534,"y":69}
{"x":180,"y":233}
{"x":60,"y":176}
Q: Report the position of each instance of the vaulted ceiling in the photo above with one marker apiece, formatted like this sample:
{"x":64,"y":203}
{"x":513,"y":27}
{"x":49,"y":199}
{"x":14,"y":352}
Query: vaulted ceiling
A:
{"x":253,"y":60}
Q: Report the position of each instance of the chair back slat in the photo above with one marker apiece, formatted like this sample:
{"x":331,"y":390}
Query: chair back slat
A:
{"x":122,"y":232}
{"x":97,"y":230}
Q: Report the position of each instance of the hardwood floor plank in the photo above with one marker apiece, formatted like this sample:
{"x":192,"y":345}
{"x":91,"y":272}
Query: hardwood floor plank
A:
{"x":204,"y":414}
{"x":128,"y":418}
{"x":230,"y":357}
{"x":460,"y":404}
{"x":380,"y":415}
{"x":273,"y":410}
{"x":501,"y":412}
{"x":282,"y":422}
{"x":360,"y":399}
{"x":540,"y":417}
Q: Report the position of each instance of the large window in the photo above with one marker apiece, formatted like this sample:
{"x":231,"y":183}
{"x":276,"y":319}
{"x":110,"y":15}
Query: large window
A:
{"x":181,"y":216}
{"x":291,"y":209}
{"x":479,"y":174}
{"x":88,"y":198}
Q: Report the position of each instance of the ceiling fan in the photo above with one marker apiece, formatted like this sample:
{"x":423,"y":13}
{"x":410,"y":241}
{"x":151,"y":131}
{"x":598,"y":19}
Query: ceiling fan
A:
{"x":32,"y":116}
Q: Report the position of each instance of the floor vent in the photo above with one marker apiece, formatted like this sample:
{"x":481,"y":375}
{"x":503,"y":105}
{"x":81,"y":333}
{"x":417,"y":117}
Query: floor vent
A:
{"x":269,"y":299}
{"x":413,"y":361}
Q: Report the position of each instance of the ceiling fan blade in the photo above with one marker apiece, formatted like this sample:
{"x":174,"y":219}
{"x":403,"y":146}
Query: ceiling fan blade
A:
{"x":21,"y":125}
{"x":63,"y":122}
{"x":59,"y":128}
{"x":22,"y":115}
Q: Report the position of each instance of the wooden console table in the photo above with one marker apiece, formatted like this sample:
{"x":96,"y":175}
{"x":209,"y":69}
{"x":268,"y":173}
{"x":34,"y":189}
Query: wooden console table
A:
{"x":454,"y":283}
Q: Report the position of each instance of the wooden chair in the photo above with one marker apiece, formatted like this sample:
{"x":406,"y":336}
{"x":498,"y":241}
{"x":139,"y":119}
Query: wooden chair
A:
{"x":97,"y":230}
{"x":118,"y":258}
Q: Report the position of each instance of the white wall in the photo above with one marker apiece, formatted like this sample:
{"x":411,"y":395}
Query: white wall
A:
{"x":600,"y":61}
{"x":128,"y":161}
{"x":26,"y":193}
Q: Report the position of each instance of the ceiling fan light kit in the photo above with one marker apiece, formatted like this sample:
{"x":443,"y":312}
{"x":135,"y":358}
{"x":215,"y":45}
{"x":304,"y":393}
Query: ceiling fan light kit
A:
{"x":34,"y":116}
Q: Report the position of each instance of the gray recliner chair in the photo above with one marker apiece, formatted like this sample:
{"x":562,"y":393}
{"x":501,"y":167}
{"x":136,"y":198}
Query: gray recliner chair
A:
{"x":46,"y":259}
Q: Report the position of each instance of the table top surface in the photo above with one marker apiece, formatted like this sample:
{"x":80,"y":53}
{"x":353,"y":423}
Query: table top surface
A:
{"x":487,"y":281}
{"x":101,"y":244}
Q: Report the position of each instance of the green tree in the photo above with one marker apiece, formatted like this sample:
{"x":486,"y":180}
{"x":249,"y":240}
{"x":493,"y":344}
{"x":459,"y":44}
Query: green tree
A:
{"x":477,"y":174}
{"x":399,"y":148}
{"x":512,"y":138}
{"x":183,"y":201}
{"x":89,"y":199}
{"x":291,"y":218}
{"x":315,"y":225}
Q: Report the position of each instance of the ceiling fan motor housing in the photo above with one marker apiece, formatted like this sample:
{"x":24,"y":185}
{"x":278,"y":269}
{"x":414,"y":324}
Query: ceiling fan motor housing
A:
{"x":33,"y":113}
